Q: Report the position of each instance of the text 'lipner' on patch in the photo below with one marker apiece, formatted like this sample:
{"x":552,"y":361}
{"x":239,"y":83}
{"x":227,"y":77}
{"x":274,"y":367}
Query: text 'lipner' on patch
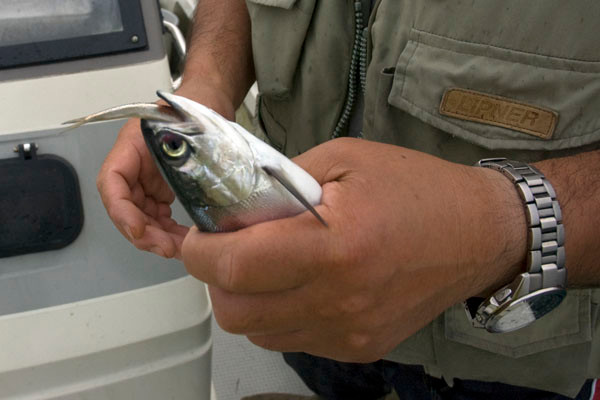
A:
{"x":494,"y":110}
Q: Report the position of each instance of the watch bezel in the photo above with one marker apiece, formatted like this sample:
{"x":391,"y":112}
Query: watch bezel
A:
{"x":539,"y":305}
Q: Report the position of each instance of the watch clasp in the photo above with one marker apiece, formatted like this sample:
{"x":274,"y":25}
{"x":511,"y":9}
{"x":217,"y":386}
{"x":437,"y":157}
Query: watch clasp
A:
{"x":494,"y":304}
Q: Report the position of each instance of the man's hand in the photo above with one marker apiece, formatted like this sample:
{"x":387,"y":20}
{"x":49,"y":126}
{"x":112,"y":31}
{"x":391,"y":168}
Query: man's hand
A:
{"x":409,"y":235}
{"x":218,"y":73}
{"x":133,"y":191}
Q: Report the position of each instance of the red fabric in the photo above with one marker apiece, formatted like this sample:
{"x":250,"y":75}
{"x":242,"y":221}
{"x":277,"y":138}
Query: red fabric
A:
{"x":597,"y":392}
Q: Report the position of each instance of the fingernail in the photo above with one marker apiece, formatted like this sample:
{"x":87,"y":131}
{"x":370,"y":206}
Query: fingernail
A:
{"x":158,"y":251}
{"x":127,"y":230}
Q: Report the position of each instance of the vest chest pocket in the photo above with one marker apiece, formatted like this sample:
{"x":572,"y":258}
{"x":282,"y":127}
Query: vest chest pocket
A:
{"x":564,"y":337}
{"x":568,"y":324}
{"x":498,"y":98}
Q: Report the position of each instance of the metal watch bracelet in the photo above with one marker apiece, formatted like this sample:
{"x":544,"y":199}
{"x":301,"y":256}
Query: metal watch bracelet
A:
{"x":546,"y":235}
{"x":539,"y":290}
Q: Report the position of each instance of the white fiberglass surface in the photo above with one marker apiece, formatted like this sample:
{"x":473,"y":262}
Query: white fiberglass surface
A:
{"x":100,"y":261}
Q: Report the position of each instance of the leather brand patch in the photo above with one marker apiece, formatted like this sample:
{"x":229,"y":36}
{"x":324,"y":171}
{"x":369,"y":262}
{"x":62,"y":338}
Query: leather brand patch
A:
{"x":494,"y":110}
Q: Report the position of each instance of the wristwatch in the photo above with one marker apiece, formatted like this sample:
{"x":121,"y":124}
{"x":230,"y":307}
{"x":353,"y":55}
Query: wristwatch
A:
{"x":542,"y":288}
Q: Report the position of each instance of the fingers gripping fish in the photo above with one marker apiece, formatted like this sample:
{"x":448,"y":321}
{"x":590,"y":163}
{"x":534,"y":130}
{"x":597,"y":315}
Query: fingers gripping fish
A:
{"x":224,"y":176}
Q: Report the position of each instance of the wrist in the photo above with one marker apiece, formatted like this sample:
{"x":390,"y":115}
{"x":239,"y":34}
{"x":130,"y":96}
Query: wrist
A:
{"x":198,"y":76}
{"x":208,"y":94}
{"x":498,"y":231}
{"x":220,"y":49}
{"x":541,"y":287}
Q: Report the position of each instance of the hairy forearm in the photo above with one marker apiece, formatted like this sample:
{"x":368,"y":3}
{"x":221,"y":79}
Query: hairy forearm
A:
{"x":576,"y":180}
{"x":493,"y":248}
{"x":220,"y":49}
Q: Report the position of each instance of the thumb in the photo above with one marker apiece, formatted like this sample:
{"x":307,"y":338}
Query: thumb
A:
{"x":327,"y":162}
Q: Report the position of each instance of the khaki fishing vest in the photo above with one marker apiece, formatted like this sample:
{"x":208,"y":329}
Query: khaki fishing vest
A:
{"x":462,"y":81}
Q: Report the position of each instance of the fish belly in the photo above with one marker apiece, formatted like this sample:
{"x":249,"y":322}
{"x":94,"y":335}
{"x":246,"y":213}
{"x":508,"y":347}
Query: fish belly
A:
{"x":260,"y":206}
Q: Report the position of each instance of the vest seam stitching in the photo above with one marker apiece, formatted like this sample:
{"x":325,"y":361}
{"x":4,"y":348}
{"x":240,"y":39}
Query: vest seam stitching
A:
{"x":420,"y":31}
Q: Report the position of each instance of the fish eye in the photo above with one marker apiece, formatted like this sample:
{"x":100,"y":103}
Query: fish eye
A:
{"x":174,"y":146}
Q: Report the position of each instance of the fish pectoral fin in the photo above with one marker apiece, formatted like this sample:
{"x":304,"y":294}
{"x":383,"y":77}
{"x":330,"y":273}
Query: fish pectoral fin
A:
{"x":281,"y":178}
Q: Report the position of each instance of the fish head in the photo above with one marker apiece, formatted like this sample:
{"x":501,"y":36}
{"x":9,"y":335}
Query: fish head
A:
{"x":205,"y":159}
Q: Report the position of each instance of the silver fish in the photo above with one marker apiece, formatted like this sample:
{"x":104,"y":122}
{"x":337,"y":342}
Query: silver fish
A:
{"x":224,"y":176}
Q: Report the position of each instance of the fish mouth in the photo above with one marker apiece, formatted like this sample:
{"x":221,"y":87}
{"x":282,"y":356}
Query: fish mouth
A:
{"x":148,"y":129}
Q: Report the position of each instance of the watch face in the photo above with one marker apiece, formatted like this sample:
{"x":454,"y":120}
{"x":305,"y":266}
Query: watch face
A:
{"x":526,"y":310}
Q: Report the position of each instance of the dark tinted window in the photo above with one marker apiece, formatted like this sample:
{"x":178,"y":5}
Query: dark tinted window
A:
{"x":34,"y":31}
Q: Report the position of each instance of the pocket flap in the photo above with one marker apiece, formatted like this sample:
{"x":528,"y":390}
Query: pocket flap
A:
{"x":278,"y":35}
{"x":287,"y":4}
{"x":503,"y":99}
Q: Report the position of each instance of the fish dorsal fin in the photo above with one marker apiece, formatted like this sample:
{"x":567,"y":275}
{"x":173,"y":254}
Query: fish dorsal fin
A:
{"x":281,"y":178}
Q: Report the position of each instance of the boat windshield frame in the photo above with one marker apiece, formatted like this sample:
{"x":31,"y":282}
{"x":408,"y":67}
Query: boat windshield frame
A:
{"x":131,"y":38}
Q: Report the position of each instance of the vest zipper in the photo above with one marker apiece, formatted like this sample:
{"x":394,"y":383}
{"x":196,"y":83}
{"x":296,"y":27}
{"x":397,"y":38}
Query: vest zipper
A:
{"x":358,"y":66}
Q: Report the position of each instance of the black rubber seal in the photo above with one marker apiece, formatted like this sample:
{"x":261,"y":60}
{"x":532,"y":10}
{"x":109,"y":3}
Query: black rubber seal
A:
{"x":40,"y":204}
